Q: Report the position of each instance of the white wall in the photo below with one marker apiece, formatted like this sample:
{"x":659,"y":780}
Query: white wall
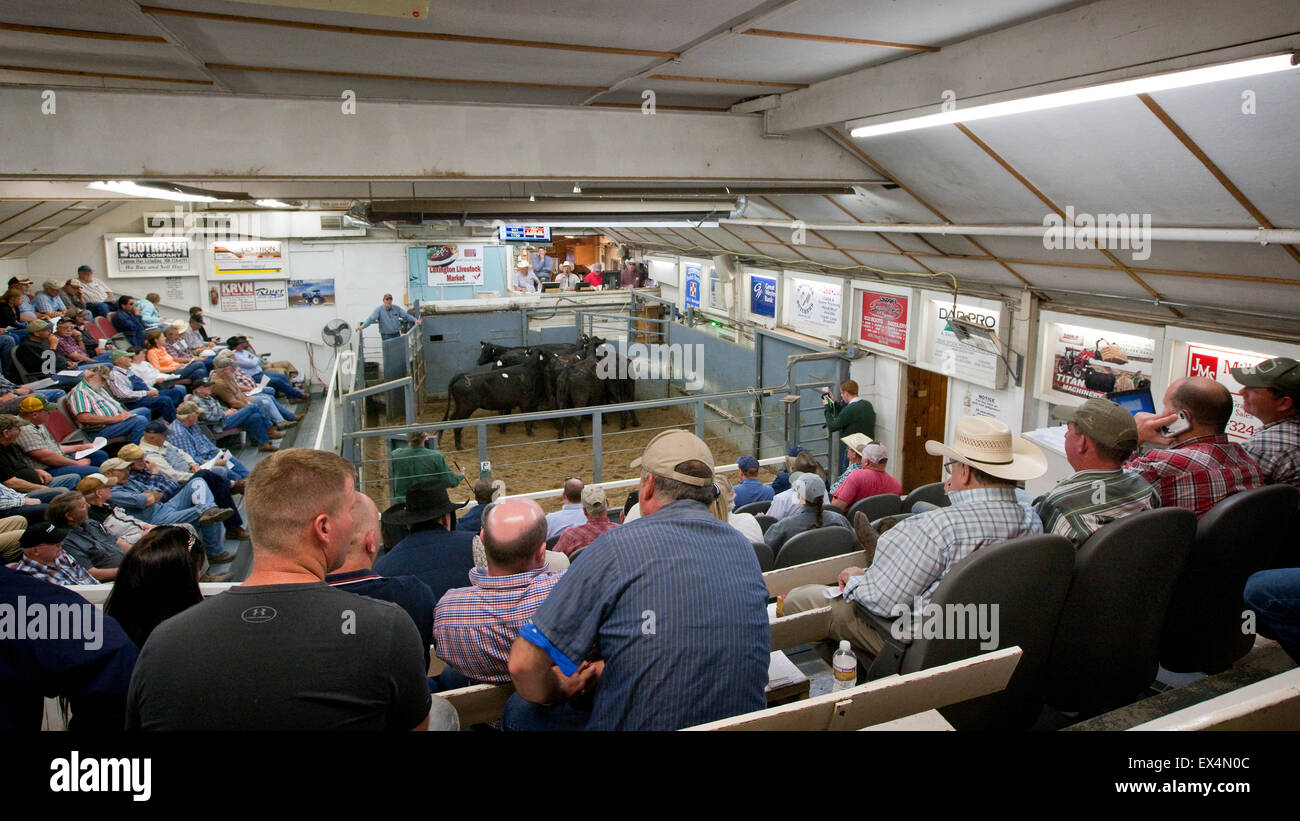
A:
{"x":12,"y":267}
{"x":362,"y":270}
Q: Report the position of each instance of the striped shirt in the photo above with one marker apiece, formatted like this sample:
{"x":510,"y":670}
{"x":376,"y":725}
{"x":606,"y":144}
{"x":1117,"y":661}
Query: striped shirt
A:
{"x":576,"y":537}
{"x":64,"y":571}
{"x":85,"y":399}
{"x":473,"y":627}
{"x":676,"y":606}
{"x":1277,"y":449}
{"x":94,"y":290}
{"x":1198,"y":473}
{"x":119,"y":385}
{"x":914,"y":555}
{"x":1080,"y":505}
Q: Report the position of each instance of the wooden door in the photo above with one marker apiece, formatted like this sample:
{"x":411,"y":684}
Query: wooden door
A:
{"x":925,"y":418}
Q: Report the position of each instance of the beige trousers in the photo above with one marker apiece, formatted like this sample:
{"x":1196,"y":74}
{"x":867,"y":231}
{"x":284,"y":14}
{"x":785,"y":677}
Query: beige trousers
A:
{"x":845,"y":623}
{"x":11,"y":530}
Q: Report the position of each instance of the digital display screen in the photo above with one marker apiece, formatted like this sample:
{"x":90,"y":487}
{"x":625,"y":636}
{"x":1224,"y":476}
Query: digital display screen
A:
{"x":1134,"y":401}
{"x":524,"y":233}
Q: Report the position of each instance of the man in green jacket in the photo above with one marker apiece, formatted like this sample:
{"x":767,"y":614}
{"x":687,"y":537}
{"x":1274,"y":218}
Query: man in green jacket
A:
{"x":851,"y":414}
{"x":417,"y":463}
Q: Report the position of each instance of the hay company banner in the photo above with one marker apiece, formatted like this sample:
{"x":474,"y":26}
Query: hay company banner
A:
{"x":1090,"y":363}
{"x":151,"y":256}
{"x":884,"y":320}
{"x":455,"y":264}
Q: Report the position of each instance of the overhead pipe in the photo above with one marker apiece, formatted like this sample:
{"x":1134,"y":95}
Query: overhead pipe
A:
{"x":1105,"y":235}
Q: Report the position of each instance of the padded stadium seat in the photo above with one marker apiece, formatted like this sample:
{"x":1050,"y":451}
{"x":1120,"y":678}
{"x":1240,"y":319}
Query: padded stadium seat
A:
{"x":95,"y":331}
{"x":765,"y":521}
{"x":816,"y":544}
{"x":1234,"y":539}
{"x":766,"y":560}
{"x":897,"y":517}
{"x":932,"y":493}
{"x":876,"y":507}
{"x":62,"y":428}
{"x":1107,"y":645}
{"x":24,"y":375}
{"x":1027,"y":579}
{"x":105,"y":324}
{"x":754,"y":507}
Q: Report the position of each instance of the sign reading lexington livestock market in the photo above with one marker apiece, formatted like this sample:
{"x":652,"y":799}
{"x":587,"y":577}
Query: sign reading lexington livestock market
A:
{"x":455,"y":264}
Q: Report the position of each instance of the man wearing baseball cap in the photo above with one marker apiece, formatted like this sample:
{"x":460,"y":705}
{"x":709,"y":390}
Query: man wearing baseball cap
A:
{"x":750,"y":489}
{"x":1271,"y":393}
{"x":1099,"y":437}
{"x":666,"y":617}
{"x":984,"y":463}
{"x":49,"y":302}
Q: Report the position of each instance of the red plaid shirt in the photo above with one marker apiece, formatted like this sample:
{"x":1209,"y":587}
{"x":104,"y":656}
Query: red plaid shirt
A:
{"x":577,"y":537}
{"x":473,"y":627}
{"x":1199,"y":473}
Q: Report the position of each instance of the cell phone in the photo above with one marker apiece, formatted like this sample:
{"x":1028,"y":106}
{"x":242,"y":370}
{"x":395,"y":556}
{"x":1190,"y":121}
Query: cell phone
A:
{"x":1177,"y":426}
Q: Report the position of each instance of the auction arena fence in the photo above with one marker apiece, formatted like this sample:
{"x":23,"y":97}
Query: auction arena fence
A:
{"x":742,"y":389}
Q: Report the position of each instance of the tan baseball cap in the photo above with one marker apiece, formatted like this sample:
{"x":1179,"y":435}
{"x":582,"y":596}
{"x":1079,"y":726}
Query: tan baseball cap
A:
{"x":130,"y":453}
{"x":593,"y":495}
{"x":115,"y":464}
{"x":1104,"y":422}
{"x":669,"y":449}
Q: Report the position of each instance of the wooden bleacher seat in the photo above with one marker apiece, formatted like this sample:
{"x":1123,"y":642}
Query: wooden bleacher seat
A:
{"x":884,"y":699}
{"x":1271,"y":704}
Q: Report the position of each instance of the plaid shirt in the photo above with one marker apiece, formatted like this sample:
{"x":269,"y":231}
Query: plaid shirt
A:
{"x":85,"y":399}
{"x":914,"y":555}
{"x":576,"y":537}
{"x":119,"y":384}
{"x":473,"y":627}
{"x":1277,"y":449}
{"x":177,"y":348}
{"x":65,"y":570}
{"x":69,"y":345}
{"x":1079,"y":506}
{"x":192,"y":441}
{"x":211,"y":411}
{"x":141,"y":480}
{"x":193,"y":340}
{"x":170,"y":460}
{"x":1198,"y":473}
{"x":847,"y":472}
{"x":36,"y":437}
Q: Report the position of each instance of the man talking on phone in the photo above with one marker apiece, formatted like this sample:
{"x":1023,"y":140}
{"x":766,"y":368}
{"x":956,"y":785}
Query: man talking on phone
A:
{"x":1199,"y":467}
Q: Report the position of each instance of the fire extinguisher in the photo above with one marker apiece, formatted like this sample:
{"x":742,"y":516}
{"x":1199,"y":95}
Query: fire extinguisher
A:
{"x":213,"y":297}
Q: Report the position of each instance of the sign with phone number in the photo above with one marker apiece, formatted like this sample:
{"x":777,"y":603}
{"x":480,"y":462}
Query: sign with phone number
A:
{"x":1217,"y":364}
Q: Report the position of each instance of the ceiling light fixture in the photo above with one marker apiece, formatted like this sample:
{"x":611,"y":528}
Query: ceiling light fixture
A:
{"x":160,"y":191}
{"x":1090,"y":94}
{"x":272,"y":204}
{"x":577,"y":189}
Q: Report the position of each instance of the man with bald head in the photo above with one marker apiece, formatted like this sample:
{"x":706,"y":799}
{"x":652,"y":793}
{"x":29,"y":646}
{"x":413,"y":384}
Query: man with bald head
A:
{"x":570,"y":512}
{"x":357,"y":575}
{"x":1200,"y":467}
{"x":474,"y":626}
{"x":284,"y":650}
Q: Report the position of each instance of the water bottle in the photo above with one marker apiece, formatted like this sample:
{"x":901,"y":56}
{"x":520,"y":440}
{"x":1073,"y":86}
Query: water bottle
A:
{"x":846,"y":668}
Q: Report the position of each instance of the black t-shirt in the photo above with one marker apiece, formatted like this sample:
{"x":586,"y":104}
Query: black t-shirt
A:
{"x":282,"y":657}
{"x":13,"y":464}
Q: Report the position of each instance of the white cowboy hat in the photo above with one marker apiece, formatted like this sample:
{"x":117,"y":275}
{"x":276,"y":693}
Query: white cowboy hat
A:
{"x":523,"y":263}
{"x":856,"y":442}
{"x":987,"y":445}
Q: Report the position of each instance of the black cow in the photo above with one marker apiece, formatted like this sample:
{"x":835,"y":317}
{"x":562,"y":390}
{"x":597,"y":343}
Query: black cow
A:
{"x":590,"y":379}
{"x":517,"y":386}
{"x":501,"y":356}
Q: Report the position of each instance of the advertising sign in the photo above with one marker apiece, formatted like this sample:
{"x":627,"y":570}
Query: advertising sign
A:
{"x":455,"y":264}
{"x":263,"y":256}
{"x":1217,"y":364}
{"x":308,"y":292}
{"x":693,"y":276}
{"x":149,"y":256}
{"x":1088,"y":363}
{"x":884,"y":320}
{"x":818,"y":304}
{"x":762,"y":296}
{"x":270,"y":296}
{"x":237,"y":296}
{"x":946,"y":354}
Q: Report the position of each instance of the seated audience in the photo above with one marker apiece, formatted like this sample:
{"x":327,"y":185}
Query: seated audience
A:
{"x":318,"y":665}
{"x":235,"y":389}
{"x":73,"y":297}
{"x":158,"y":500}
{"x":914,"y":555}
{"x":133,"y":392}
{"x":20,"y":506}
{"x":750,"y":489}
{"x":787,"y":502}
{"x":486,"y":491}
{"x":156,"y":580}
{"x":49,"y":302}
{"x":853,"y":444}
{"x":98,"y":297}
{"x":16,"y":471}
{"x":746,"y":523}
{"x":663,"y":673}
{"x":67,"y":341}
{"x":194,"y":337}
{"x":782,"y":481}
{"x":36,"y":353}
{"x":126,"y":320}
{"x":179,"y":351}
{"x":148,"y":310}
{"x":92,"y":676}
{"x":1274,"y":595}
{"x":434,"y":553}
{"x":1099,"y":437}
{"x":474,"y":626}
{"x":177,"y":465}
{"x":1201,"y":467}
{"x":357,"y":574}
{"x":86,"y":540}
{"x":575,"y":538}
{"x":250,"y":418}
{"x":811,"y":490}
{"x":251,"y":365}
{"x":143,"y":369}
{"x":97,"y":413}
{"x":196,"y":312}
{"x":44,"y":557}
{"x":417,"y":462}
{"x":870,"y":480}
{"x":570,"y":512}
{"x":12,"y":396}
{"x":1271,"y":394}
{"x":185,"y":435}
{"x":155,"y":351}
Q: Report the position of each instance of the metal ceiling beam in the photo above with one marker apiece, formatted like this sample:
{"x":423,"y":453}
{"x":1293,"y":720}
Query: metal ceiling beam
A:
{"x":1098,"y":42}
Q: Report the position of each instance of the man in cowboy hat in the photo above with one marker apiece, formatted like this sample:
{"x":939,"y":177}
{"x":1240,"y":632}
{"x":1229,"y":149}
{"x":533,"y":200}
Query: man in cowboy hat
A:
{"x":567,"y":279}
{"x":984,"y":464}
{"x":524,"y":278}
{"x":870,"y":479}
{"x":435,"y":552}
